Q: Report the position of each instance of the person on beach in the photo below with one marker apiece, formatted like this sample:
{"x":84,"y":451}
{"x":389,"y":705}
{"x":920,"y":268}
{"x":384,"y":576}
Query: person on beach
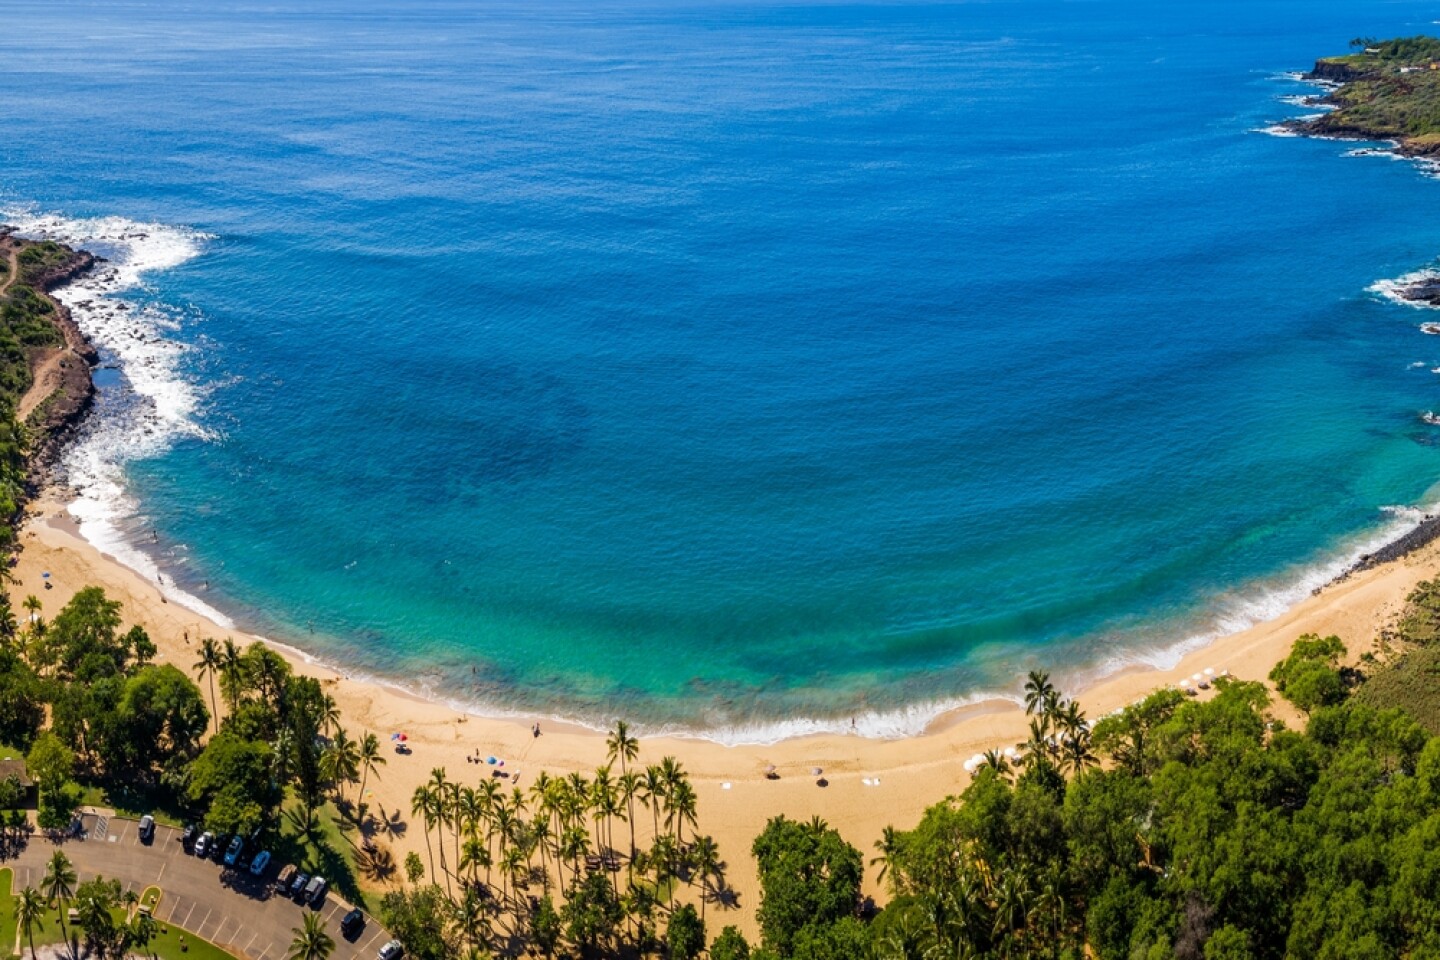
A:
{"x":536,"y":729}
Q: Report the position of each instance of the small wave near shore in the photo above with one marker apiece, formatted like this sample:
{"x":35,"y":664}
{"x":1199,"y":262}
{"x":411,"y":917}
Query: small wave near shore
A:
{"x":145,"y":403}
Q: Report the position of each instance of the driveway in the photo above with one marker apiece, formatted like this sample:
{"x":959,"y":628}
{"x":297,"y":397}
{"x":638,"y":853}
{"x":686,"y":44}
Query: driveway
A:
{"x":230,"y":908}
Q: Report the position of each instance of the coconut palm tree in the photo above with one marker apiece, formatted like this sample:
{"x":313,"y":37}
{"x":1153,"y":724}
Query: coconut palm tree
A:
{"x":652,"y":793}
{"x":469,"y":918}
{"x":142,"y":931}
{"x":231,"y":681}
{"x":1039,"y":693}
{"x":206,"y":668}
{"x":683,"y":808}
{"x":705,"y":860}
{"x":620,"y":745}
{"x":370,"y":760}
{"x":888,"y":846}
{"x":311,"y":942}
{"x":422,"y":805}
{"x":340,"y":762}
{"x":30,"y":914}
{"x":997,"y":761}
{"x":602,"y":806}
{"x":58,"y":885}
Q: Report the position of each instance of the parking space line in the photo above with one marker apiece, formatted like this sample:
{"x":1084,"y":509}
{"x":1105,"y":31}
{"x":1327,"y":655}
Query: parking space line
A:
{"x":186,"y":922}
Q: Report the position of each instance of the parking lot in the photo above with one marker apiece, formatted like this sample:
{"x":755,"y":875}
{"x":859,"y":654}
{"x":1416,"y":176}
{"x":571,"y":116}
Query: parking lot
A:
{"x":228,"y":907}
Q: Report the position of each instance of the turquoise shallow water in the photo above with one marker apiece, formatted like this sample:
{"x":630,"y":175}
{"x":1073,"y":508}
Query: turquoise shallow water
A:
{"x":726,"y":366}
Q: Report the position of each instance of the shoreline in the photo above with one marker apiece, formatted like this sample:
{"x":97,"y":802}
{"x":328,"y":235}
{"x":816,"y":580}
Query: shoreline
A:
{"x":1256,"y":602}
{"x":871,"y":783}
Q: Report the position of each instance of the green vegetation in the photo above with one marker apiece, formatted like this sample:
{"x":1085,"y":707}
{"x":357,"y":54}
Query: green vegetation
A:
{"x":7,"y":912}
{"x":558,"y":866}
{"x":1390,"y":90}
{"x":1410,"y":678}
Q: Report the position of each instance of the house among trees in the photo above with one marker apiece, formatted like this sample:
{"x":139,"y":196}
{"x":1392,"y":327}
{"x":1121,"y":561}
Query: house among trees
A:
{"x":17,"y":790}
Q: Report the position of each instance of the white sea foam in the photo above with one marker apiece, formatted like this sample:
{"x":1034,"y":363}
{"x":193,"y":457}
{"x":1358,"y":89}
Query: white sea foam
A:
{"x":155,"y":404}
{"x":1394,"y":289}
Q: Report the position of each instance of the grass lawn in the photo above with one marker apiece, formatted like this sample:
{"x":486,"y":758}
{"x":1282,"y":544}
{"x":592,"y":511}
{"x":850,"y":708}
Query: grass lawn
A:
{"x":166,"y":945}
{"x":7,"y":912}
{"x":329,"y":849}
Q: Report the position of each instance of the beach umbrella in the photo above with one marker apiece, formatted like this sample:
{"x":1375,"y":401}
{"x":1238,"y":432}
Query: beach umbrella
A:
{"x":394,"y":736}
{"x":403,"y":738}
{"x":1198,"y":677}
{"x":1209,"y":671}
{"x":769,"y":769}
{"x":816,"y":771}
{"x":978,"y":759}
{"x":45,"y":575}
{"x":490,"y":760}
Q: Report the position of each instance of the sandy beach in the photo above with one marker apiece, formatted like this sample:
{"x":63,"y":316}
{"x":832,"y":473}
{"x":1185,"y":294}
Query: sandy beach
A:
{"x":871,"y":783}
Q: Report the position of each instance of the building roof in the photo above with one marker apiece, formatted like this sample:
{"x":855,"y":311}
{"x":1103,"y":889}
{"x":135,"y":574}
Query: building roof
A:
{"x":15,"y":768}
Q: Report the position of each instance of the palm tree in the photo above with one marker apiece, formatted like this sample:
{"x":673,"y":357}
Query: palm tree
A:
{"x":998,"y":762}
{"x":602,"y":806}
{"x":622,"y":746}
{"x":230,"y":679}
{"x":58,"y":885}
{"x":469,"y":917}
{"x":683,"y":808}
{"x":370,"y":759}
{"x":422,"y":805}
{"x":1039,"y":693}
{"x":30,"y":914}
{"x":888,"y":846}
{"x":329,"y":714}
{"x":340,"y":762}
{"x":652,"y":787}
{"x":142,"y":931}
{"x":207,"y":666}
{"x":705,"y":859}
{"x":311,"y":942}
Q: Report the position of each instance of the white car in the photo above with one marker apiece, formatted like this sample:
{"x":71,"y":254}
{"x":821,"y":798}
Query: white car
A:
{"x":392,"y":951}
{"x":261,"y":861}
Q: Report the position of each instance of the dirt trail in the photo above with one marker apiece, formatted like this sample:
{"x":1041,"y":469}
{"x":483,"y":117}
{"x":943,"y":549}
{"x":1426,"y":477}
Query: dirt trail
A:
{"x":13,"y":274}
{"x":45,"y":379}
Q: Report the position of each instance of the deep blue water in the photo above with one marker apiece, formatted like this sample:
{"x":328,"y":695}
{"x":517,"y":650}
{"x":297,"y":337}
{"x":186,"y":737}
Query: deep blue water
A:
{"x":722,"y":364}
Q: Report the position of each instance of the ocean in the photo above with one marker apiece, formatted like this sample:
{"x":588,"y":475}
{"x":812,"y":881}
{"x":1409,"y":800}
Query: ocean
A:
{"x":739,"y":369}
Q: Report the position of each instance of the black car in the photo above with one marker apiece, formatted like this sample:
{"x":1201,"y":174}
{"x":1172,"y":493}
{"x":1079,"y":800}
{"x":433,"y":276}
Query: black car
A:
{"x":188,"y":835}
{"x":217,"y":849}
{"x":297,"y":886}
{"x":352,"y":923}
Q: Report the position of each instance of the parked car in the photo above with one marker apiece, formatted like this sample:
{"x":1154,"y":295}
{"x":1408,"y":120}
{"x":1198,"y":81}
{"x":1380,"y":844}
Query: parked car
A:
{"x":352,"y":923}
{"x":147,"y":829}
{"x":188,"y":835}
{"x":392,"y":951}
{"x":203,"y":845}
{"x":217,"y":848}
{"x":315,"y":891}
{"x":261,"y":861}
{"x":287,"y":876}
{"x":232,"y":853}
{"x":297,"y":886}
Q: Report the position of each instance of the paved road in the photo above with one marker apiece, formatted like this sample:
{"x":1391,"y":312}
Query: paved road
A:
{"x":233,"y":909}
